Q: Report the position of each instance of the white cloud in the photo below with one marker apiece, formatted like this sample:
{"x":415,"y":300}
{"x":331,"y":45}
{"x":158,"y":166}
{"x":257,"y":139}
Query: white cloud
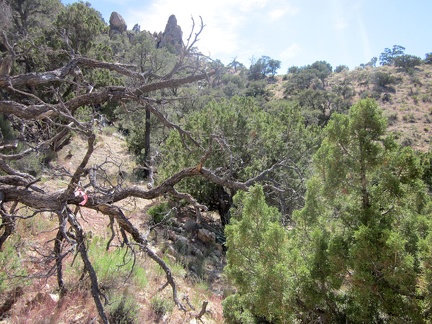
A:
{"x":224,"y":21}
{"x":276,"y":14}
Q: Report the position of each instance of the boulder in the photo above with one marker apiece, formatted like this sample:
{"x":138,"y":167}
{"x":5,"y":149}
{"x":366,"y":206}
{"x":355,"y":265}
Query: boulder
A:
{"x":205,"y":236}
{"x":117,"y":23}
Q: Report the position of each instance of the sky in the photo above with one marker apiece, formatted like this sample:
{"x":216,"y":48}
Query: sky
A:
{"x":295,"y":32}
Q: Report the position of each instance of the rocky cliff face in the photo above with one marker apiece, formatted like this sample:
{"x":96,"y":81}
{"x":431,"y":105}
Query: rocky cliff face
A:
{"x":172,"y":36}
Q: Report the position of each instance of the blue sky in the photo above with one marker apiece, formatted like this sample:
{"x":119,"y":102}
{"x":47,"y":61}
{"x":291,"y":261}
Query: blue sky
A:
{"x":296,"y":32}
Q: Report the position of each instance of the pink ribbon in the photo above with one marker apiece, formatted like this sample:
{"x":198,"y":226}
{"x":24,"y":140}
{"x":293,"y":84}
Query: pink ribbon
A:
{"x":82,"y":193}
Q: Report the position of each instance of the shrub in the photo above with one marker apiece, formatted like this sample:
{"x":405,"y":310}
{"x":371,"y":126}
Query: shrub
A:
{"x":161,"y":306}
{"x":383,"y":79}
{"x":11,"y":268}
{"x":409,"y":117}
{"x":426,"y":98}
{"x":392,"y":118}
{"x":159,"y":212}
{"x":124,"y":311}
{"x":235,"y":311}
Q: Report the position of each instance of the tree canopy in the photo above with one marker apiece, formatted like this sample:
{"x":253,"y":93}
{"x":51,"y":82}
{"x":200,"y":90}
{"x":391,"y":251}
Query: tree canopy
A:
{"x":357,"y":249}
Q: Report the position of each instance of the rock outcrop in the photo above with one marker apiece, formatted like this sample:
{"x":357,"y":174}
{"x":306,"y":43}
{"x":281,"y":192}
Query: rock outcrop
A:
{"x":117,"y":24}
{"x":172,"y":37}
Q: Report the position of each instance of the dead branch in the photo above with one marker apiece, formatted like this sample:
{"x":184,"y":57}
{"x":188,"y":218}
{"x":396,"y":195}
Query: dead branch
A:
{"x":88,"y":267}
{"x":203,"y":310}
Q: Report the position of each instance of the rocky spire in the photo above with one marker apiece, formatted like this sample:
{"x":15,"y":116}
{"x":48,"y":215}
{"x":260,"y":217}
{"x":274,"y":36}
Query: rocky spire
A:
{"x":172,"y":36}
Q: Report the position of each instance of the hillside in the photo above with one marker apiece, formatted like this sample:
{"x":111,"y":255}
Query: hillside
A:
{"x":407,"y":101}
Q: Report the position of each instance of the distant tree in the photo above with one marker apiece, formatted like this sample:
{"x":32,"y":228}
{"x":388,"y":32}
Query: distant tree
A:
{"x":257,"y":89}
{"x":428,"y":58}
{"x":407,"y":62}
{"x":293,"y":69}
{"x":273,"y":66}
{"x":388,"y":56}
{"x":235,"y":64}
{"x":304,"y":77}
{"x":319,"y":105}
{"x":299,"y":79}
{"x":322,"y":70}
{"x":136,"y":28}
{"x":373,"y":61}
{"x":263,"y":67}
{"x":341,"y":68}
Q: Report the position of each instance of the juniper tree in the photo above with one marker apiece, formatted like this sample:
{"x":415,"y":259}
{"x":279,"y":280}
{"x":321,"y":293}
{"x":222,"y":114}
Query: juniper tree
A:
{"x":359,"y":231}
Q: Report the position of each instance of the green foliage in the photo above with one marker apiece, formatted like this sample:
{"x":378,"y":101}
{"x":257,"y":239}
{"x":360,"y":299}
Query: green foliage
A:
{"x":383,"y":79}
{"x":407,"y":62}
{"x":389,"y":55}
{"x":257,"y":89}
{"x":159,"y":212}
{"x":84,"y":114}
{"x":29,"y":15}
{"x":161,"y":306}
{"x":263,"y":67}
{"x":428,"y":58}
{"x":322,"y":70}
{"x":319,"y":105}
{"x":357,"y":231}
{"x":6,"y":130}
{"x":33,"y":162}
{"x":123,"y":311}
{"x":81,"y":25}
{"x":340,"y":68}
{"x":256,"y":260}
{"x":310,"y":76}
{"x":145,"y":54}
{"x":233,"y":85}
{"x":246,"y":140}
{"x":236,"y":311}
{"x":114,"y":267}
{"x":299,"y":79}
{"x":11,"y":266}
